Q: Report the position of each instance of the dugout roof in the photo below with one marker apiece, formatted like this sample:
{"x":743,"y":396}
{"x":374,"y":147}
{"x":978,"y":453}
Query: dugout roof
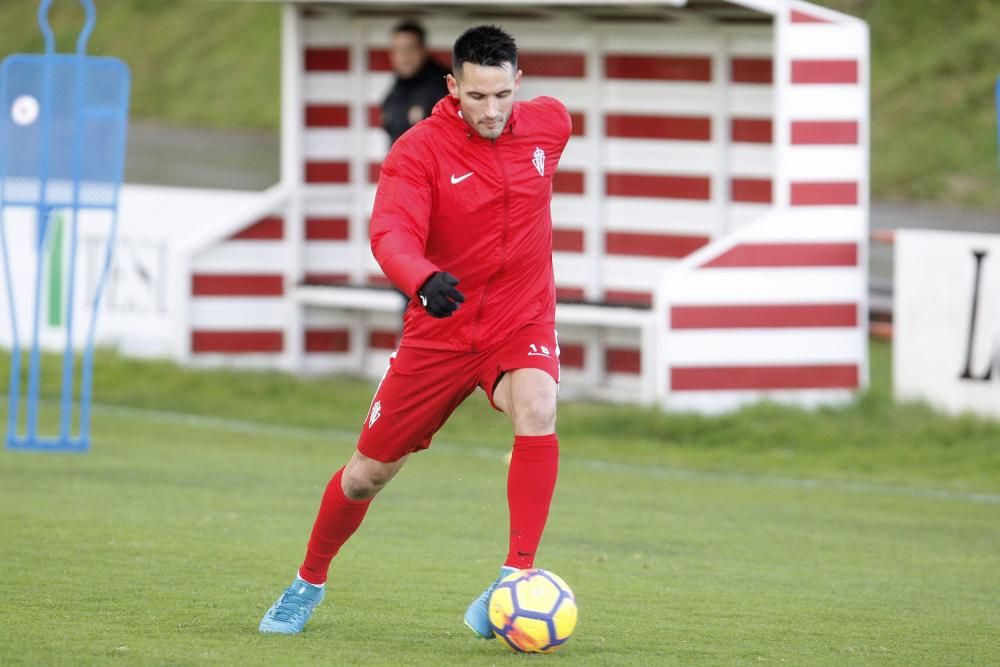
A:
{"x":666,"y":11}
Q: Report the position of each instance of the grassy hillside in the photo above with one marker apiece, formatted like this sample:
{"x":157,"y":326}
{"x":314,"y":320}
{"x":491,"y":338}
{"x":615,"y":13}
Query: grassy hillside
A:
{"x":935,"y":63}
{"x":934,"y":69}
{"x":193,"y":62}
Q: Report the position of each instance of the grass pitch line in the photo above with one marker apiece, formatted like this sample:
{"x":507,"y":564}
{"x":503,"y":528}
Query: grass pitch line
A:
{"x":591,"y":465}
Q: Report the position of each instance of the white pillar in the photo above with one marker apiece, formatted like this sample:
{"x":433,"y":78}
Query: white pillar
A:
{"x":292,"y":182}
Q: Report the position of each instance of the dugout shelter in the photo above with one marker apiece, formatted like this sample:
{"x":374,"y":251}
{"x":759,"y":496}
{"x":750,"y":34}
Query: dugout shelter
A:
{"x":710,"y":211}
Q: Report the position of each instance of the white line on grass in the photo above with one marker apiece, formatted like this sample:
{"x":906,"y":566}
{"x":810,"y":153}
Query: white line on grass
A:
{"x":589,"y":464}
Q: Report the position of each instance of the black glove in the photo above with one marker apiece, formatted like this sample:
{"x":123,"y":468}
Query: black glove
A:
{"x":439,"y":296}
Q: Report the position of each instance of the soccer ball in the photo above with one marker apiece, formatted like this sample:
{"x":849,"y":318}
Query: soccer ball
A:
{"x":533,"y":611}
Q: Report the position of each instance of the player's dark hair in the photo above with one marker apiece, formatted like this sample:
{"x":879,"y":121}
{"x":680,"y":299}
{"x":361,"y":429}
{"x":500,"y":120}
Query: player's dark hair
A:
{"x":412,"y":27}
{"x":486,"y":45}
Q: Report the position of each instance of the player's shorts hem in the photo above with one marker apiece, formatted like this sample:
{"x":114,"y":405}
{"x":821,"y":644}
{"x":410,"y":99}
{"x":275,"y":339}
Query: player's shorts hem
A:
{"x":382,"y":457}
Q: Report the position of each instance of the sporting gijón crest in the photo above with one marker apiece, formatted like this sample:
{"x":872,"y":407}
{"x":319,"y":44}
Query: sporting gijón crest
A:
{"x":538,"y":159}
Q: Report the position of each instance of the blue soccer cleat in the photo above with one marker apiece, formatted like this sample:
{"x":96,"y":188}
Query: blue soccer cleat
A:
{"x":289,"y":614}
{"x":477,"y":616}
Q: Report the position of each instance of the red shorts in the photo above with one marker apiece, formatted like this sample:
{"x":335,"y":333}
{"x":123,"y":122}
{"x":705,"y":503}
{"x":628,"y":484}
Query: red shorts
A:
{"x":422,"y":387}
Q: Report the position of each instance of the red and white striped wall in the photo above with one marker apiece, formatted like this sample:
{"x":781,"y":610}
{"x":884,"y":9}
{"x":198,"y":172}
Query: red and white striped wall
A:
{"x":777,"y":309}
{"x":241,"y":309}
{"x":237,"y":306}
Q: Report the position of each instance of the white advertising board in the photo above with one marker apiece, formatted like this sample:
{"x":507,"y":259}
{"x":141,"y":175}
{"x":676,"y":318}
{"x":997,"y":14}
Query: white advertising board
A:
{"x":136,"y":316}
{"x":946,"y":315}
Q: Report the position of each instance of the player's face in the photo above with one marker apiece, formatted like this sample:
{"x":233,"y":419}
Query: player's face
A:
{"x":486,"y":96}
{"x":406,"y":54}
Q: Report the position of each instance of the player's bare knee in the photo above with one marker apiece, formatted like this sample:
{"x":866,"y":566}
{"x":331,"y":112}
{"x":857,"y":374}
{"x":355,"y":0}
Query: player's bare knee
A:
{"x":364,"y":477}
{"x":363,"y":487}
{"x":359,"y":486}
{"x":358,"y":483}
{"x":536,"y":416}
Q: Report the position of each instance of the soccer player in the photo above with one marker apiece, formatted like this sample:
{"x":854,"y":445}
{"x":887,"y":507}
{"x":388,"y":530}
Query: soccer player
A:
{"x":461,"y":223}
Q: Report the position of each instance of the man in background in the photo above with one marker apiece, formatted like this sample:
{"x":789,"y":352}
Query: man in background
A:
{"x":420,"y":81}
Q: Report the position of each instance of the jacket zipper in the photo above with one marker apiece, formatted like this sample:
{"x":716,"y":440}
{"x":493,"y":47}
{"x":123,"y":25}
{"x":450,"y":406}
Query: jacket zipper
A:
{"x":503,"y":245}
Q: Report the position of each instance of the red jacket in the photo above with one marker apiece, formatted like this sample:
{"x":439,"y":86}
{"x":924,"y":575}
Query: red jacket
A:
{"x":450,"y":200}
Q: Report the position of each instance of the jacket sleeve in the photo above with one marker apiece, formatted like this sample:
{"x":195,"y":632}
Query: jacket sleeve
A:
{"x":401,"y":218}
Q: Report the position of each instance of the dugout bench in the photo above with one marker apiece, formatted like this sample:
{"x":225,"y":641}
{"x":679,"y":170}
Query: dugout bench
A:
{"x":362,"y":302}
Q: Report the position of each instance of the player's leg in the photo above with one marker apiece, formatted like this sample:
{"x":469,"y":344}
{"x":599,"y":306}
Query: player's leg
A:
{"x":418,"y":393}
{"x":526,"y":391}
{"x":528,"y":397}
{"x":413,"y":400}
{"x":342,"y":509}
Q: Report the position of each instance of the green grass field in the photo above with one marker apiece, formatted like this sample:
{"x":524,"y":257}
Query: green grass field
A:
{"x":867,"y":534}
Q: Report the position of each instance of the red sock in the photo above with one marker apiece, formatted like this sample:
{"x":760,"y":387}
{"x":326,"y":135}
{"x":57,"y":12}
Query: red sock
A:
{"x":338,"y":518}
{"x":530,"y":481}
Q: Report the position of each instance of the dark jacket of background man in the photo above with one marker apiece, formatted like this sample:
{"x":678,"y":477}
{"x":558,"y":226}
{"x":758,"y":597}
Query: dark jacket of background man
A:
{"x":419,"y":81}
